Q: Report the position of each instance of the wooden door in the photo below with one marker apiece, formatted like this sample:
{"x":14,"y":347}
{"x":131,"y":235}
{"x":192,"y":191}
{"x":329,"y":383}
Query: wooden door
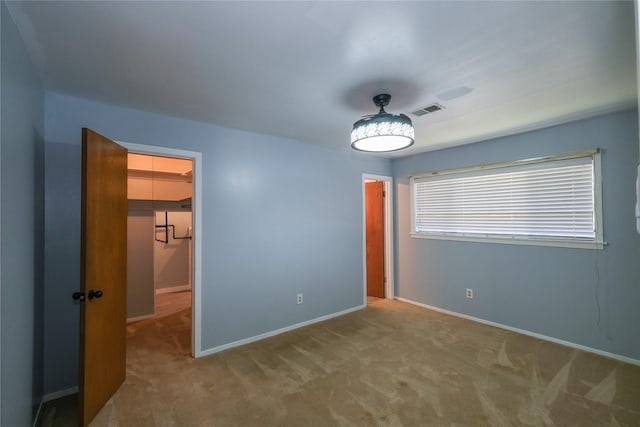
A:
{"x":374,"y":213}
{"x":103,"y":272}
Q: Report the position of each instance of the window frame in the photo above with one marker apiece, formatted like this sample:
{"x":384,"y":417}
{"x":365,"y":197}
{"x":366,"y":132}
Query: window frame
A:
{"x":597,"y":243}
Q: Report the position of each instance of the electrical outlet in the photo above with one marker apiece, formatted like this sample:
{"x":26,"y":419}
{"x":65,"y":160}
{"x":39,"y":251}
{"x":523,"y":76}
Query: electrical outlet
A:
{"x":469,"y":293}
{"x":299,"y":300}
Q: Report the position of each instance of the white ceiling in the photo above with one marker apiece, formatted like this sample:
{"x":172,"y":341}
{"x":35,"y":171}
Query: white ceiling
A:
{"x":308,"y":70}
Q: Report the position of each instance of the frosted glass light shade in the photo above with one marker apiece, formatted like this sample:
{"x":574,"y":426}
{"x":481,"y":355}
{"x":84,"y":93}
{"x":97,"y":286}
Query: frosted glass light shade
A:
{"x":382,"y":132}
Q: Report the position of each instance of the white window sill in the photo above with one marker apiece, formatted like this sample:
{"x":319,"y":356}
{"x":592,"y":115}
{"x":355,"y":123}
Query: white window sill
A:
{"x":575,"y":244}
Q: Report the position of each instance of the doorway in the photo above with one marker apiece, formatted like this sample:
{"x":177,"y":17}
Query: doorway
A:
{"x":159,"y":252}
{"x":195,"y":242}
{"x":377,"y":237}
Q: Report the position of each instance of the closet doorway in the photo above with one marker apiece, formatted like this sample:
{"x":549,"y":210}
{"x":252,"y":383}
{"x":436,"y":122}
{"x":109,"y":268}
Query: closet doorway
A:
{"x":377,"y":237}
{"x":160,"y":237}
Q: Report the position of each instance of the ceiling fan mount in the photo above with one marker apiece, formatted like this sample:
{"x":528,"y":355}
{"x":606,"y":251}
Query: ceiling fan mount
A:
{"x":382,"y":100}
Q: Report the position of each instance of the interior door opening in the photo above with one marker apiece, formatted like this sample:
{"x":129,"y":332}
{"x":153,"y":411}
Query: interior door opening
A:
{"x":374,"y":223}
{"x":160,"y":223}
{"x":378,"y":252}
{"x":196,"y":238}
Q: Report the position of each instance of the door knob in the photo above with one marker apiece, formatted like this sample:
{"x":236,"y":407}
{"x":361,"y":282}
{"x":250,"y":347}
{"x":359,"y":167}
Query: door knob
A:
{"x":78,"y":296}
{"x":94,"y":294}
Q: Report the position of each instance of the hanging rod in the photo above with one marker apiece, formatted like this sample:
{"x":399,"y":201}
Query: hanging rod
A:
{"x":166,"y":230}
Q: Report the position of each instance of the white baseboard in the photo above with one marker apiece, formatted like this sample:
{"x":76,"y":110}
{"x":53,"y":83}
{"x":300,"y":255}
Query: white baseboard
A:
{"x":137,"y":318}
{"x":173,"y":289}
{"x":525,"y":332}
{"x":277,"y":332}
{"x":60,"y":393}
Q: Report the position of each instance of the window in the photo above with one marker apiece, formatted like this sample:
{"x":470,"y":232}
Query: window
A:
{"x":546,"y":201}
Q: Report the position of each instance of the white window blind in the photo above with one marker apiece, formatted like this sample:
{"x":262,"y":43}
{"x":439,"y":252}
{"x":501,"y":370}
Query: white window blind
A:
{"x":550,"y":199}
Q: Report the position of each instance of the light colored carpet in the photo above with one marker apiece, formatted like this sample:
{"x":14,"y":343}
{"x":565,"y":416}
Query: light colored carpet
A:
{"x":172,"y":302}
{"x":392,"y":364}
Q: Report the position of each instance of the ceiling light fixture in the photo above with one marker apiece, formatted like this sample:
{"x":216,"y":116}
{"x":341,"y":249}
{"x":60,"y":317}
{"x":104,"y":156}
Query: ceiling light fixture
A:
{"x":383,"y":131}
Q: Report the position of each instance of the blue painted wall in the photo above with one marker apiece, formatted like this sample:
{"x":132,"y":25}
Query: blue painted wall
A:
{"x":551,"y":291}
{"x":22,"y":222}
{"x":280,"y":217}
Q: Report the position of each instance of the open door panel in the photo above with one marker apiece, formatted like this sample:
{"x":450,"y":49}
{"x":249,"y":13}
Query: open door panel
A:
{"x":103,"y":273}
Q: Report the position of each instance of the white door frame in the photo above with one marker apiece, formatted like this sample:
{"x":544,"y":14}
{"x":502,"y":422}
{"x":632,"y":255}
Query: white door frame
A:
{"x":196,"y":208}
{"x":388,"y":234}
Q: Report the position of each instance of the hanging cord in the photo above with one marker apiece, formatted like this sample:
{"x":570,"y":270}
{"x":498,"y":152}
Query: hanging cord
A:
{"x":597,"y":202}
{"x":598,"y":289}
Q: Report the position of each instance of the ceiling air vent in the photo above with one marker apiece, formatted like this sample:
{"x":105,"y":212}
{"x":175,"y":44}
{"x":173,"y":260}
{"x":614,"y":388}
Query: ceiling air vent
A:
{"x":427,"y":110}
